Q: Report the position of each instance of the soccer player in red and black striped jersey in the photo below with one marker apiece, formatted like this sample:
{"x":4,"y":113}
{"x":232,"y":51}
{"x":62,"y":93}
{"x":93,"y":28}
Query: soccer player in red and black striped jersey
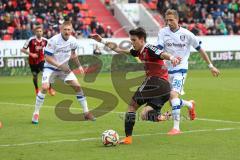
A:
{"x":155,"y":90}
{"x":36,"y":44}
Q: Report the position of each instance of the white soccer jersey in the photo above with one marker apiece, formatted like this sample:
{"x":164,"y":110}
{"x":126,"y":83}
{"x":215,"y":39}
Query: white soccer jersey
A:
{"x":178,"y":44}
{"x":60,"y":49}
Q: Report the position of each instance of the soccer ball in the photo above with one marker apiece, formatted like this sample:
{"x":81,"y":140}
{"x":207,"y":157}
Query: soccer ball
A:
{"x":110,"y":138}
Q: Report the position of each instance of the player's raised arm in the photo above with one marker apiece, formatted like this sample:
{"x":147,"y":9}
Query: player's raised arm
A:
{"x":113,"y":46}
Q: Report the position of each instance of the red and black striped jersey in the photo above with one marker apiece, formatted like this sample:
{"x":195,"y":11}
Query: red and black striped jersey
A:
{"x":36,"y":46}
{"x":154,"y":65}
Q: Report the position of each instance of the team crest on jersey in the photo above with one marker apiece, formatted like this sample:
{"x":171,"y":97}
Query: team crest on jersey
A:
{"x":72,"y":46}
{"x":50,"y":46}
{"x":182,"y":37}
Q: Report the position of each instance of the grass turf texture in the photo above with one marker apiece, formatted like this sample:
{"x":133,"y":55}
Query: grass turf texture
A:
{"x":216,"y":98}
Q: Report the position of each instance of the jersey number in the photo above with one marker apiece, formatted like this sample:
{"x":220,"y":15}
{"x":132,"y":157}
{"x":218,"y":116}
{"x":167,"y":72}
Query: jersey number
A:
{"x":177,"y":83}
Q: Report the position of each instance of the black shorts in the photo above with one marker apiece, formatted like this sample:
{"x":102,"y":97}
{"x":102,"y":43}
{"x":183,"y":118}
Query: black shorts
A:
{"x":36,"y":68}
{"x":154,"y":92}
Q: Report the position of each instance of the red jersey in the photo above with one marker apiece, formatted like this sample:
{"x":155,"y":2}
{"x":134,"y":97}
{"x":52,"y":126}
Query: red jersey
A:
{"x":36,"y":46}
{"x":153,"y":64}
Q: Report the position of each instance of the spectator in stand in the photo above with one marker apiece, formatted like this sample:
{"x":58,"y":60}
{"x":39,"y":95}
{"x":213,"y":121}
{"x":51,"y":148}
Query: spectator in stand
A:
{"x":2,"y":9}
{"x":108,"y":32}
{"x":49,"y":34}
{"x":86,"y":31}
{"x":9,"y":7}
{"x":93,"y":24}
{"x":209,"y":22}
{"x":199,"y":10}
{"x":21,"y":5}
{"x":100,"y":30}
{"x":217,"y":13}
{"x":197,"y":15}
{"x":23,"y":19}
{"x":49,"y":13}
{"x":76,"y":8}
{"x":237,"y":19}
{"x":233,"y":6}
{"x":26,"y":32}
{"x":174,"y":4}
{"x":230,"y":30}
{"x":221,"y":26}
{"x":17,"y":34}
{"x":78,"y":24}
{"x":166,"y":6}
{"x":4,"y":25}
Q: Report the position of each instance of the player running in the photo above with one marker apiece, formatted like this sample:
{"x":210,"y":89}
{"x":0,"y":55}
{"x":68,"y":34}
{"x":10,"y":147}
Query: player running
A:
{"x":155,"y":90}
{"x":60,"y":49}
{"x":35,"y":54}
{"x":177,"y":40}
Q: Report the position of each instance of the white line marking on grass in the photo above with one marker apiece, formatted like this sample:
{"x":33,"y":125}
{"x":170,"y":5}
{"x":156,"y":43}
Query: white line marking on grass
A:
{"x":98,"y":138}
{"x":225,"y":129}
{"x":217,"y":120}
{"x":47,"y":106}
{"x":75,"y":108}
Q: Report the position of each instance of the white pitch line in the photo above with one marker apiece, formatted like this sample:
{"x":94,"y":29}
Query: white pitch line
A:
{"x":98,"y":138}
{"x":30,"y":105}
{"x":46,"y":106}
{"x":217,"y":120}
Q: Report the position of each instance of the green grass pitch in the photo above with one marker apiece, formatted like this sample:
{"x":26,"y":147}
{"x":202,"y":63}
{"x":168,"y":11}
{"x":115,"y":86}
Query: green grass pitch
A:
{"x":214,"y":135}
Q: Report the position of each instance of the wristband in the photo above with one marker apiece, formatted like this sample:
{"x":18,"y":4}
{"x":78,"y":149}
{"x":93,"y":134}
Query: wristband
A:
{"x":171,"y":58}
{"x":210,"y":66}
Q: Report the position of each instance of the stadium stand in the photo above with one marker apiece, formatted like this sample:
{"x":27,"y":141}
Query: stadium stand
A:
{"x":18,"y":17}
{"x":202,"y":17}
{"x":105,"y":17}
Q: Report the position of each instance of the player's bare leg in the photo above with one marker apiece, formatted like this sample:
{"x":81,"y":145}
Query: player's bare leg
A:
{"x":51,"y":91}
{"x":35,"y":82}
{"x":81,"y":99}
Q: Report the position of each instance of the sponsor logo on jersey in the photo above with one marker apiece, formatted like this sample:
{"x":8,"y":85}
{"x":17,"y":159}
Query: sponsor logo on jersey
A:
{"x":180,"y":45}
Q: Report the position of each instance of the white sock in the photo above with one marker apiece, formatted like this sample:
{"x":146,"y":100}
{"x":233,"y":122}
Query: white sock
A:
{"x":186,"y":103}
{"x":39,"y":102}
{"x":176,"y":105}
{"x":83,"y":101}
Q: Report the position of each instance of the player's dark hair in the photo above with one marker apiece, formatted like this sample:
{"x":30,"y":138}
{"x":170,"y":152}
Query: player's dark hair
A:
{"x":38,"y":26}
{"x":139,"y":32}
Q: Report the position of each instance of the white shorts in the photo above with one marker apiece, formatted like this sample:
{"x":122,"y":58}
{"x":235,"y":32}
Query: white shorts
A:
{"x":177,"y":81}
{"x":50,"y":75}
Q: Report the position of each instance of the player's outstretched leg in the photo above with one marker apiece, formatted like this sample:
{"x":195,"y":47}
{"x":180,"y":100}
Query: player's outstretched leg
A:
{"x":191,"y":108}
{"x":80,"y":97}
{"x":83,"y":102}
